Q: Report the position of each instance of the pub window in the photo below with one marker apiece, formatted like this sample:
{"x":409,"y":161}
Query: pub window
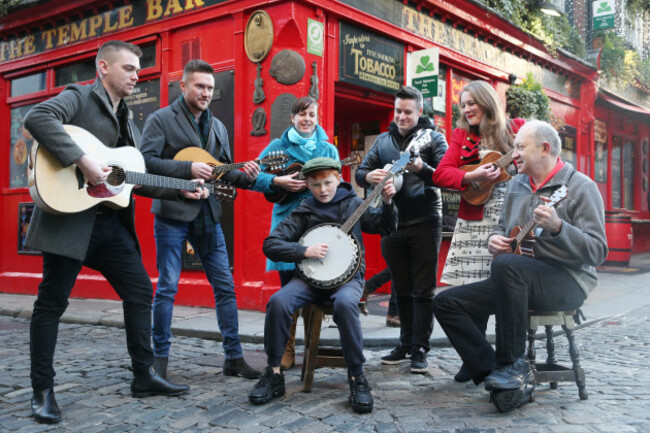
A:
{"x":28,"y":84}
{"x":458,"y":81}
{"x":148,"y":58}
{"x":75,"y":73}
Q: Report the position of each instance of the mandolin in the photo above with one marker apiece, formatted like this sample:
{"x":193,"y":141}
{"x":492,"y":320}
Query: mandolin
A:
{"x":524,"y":241}
{"x":64,"y":190}
{"x":352,"y":160}
{"x":273,"y":160}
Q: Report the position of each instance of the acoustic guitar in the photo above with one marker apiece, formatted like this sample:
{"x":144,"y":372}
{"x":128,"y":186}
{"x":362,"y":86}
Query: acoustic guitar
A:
{"x":352,"y":160}
{"x":524,"y":241}
{"x":274,"y":160}
{"x":479,"y":192}
{"x":64,"y":190}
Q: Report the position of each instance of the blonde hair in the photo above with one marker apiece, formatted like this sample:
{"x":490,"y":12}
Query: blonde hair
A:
{"x":492,"y":129}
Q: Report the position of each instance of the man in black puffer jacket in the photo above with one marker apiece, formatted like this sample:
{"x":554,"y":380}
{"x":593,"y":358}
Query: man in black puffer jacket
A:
{"x":333,"y":202}
{"x":412,"y":252}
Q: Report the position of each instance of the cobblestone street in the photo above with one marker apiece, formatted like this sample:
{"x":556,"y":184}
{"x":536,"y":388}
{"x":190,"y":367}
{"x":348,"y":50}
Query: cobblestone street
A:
{"x":93,"y":389}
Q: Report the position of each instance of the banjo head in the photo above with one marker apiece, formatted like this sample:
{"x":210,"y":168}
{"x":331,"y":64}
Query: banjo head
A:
{"x":339,"y":265}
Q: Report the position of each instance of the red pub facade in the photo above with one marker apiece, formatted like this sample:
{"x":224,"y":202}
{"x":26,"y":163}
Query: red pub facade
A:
{"x":350,"y":54}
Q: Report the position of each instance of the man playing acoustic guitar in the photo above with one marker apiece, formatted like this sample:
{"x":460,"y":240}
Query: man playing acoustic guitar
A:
{"x":100,"y":237}
{"x":332,"y":202}
{"x":569,"y":242}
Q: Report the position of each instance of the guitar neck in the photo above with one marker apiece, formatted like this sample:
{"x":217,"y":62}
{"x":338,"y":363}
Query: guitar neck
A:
{"x":505,"y":160}
{"x":524,"y":231}
{"x":145,"y":179}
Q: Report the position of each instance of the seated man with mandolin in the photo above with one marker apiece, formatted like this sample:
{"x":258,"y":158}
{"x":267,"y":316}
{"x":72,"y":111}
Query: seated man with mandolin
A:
{"x":558,"y":272}
{"x":334,"y":206}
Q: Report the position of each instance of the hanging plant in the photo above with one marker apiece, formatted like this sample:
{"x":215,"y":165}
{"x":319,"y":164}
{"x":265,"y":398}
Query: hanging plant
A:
{"x":528,"y":100}
{"x":619,"y":65}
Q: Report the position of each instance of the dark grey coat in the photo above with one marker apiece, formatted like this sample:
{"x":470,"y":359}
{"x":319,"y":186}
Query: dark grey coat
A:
{"x":165,"y":133}
{"x":87,"y":107}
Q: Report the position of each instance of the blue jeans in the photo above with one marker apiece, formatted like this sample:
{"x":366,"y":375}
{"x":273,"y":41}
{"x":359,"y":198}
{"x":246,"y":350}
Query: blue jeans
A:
{"x":297,"y":294}
{"x":170,"y":236}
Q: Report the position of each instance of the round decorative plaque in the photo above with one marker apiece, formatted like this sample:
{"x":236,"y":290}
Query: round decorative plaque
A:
{"x":258,"y":36}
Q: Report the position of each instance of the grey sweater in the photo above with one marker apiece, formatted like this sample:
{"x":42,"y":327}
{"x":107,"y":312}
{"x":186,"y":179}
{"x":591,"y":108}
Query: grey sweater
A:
{"x":581,"y":244}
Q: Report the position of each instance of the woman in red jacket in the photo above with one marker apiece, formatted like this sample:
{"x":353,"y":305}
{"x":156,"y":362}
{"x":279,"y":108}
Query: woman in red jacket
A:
{"x":481,"y":129}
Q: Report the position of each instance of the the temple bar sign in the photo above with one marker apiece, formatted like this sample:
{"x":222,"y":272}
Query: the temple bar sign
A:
{"x":423,"y":71}
{"x":136,"y":13}
{"x":369,"y":60}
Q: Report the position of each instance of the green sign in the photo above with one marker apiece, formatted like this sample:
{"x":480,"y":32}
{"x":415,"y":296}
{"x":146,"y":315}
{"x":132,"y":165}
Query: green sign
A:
{"x":315,"y":32}
{"x":604,"y":12}
{"x":423,"y":71}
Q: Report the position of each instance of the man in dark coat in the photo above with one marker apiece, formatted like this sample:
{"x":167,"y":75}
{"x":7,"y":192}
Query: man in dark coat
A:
{"x":332,"y":202}
{"x":100,"y":237}
{"x":188,"y":122}
{"x":412,"y":252}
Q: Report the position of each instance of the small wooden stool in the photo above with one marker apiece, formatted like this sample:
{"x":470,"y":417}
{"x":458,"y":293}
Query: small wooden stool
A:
{"x":551,"y":371}
{"x":315,"y":356}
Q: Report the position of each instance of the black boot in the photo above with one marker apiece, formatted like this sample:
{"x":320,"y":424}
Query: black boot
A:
{"x":510,"y":376}
{"x":360,"y":397}
{"x":510,"y":399}
{"x":270,"y":386}
{"x":150,"y":383}
{"x":238,"y":367}
{"x":463,"y":375}
{"x":160,"y":365}
{"x":44,"y":407}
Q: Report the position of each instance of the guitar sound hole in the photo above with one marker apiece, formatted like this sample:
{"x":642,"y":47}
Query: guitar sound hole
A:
{"x":117,"y":176}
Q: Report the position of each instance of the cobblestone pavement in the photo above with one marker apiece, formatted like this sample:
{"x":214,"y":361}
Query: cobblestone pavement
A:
{"x":93,"y":389}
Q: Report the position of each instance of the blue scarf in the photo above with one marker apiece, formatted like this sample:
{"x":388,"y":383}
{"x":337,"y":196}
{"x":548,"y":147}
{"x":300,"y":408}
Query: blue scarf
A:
{"x":308,"y":143}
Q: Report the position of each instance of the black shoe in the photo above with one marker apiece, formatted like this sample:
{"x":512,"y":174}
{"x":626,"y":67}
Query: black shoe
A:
{"x":510,"y":376}
{"x":360,"y":397}
{"x":44,"y":407}
{"x":510,"y":399}
{"x":270,"y":386}
{"x":419,"y":362}
{"x":151,"y":383}
{"x":160,"y":365}
{"x":238,"y":367}
{"x":463,"y":375}
{"x":397,"y":356}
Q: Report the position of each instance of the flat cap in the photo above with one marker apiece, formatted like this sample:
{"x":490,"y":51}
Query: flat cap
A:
{"x":321,"y":163}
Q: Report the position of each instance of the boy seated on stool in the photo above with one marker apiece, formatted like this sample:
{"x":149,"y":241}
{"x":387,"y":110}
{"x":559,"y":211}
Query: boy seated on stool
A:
{"x":332,"y":201}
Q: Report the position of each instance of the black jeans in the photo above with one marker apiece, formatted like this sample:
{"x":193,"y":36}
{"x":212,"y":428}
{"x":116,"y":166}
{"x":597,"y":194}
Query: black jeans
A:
{"x":378,"y":280}
{"x":412,"y":257}
{"x":112,"y":252}
{"x":517,"y":284}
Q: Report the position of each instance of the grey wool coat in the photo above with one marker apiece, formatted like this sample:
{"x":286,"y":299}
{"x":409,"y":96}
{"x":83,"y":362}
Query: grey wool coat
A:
{"x":165,"y":133}
{"x":88,"y":107}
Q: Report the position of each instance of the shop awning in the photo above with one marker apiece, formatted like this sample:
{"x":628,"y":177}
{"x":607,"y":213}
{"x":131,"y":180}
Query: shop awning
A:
{"x":623,"y":105}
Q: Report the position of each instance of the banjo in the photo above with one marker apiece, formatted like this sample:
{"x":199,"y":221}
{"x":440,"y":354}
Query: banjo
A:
{"x":343,"y":258}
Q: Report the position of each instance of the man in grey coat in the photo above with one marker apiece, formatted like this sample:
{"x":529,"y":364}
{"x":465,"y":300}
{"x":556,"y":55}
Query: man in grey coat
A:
{"x":188,"y":122}
{"x":101,"y":238}
{"x":570,"y":242}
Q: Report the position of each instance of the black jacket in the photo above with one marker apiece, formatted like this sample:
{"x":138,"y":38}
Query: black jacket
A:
{"x":418,"y":200}
{"x":282,"y":243}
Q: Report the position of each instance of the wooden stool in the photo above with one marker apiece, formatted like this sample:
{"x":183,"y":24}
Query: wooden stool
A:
{"x":315,"y":356}
{"x":551,"y":371}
